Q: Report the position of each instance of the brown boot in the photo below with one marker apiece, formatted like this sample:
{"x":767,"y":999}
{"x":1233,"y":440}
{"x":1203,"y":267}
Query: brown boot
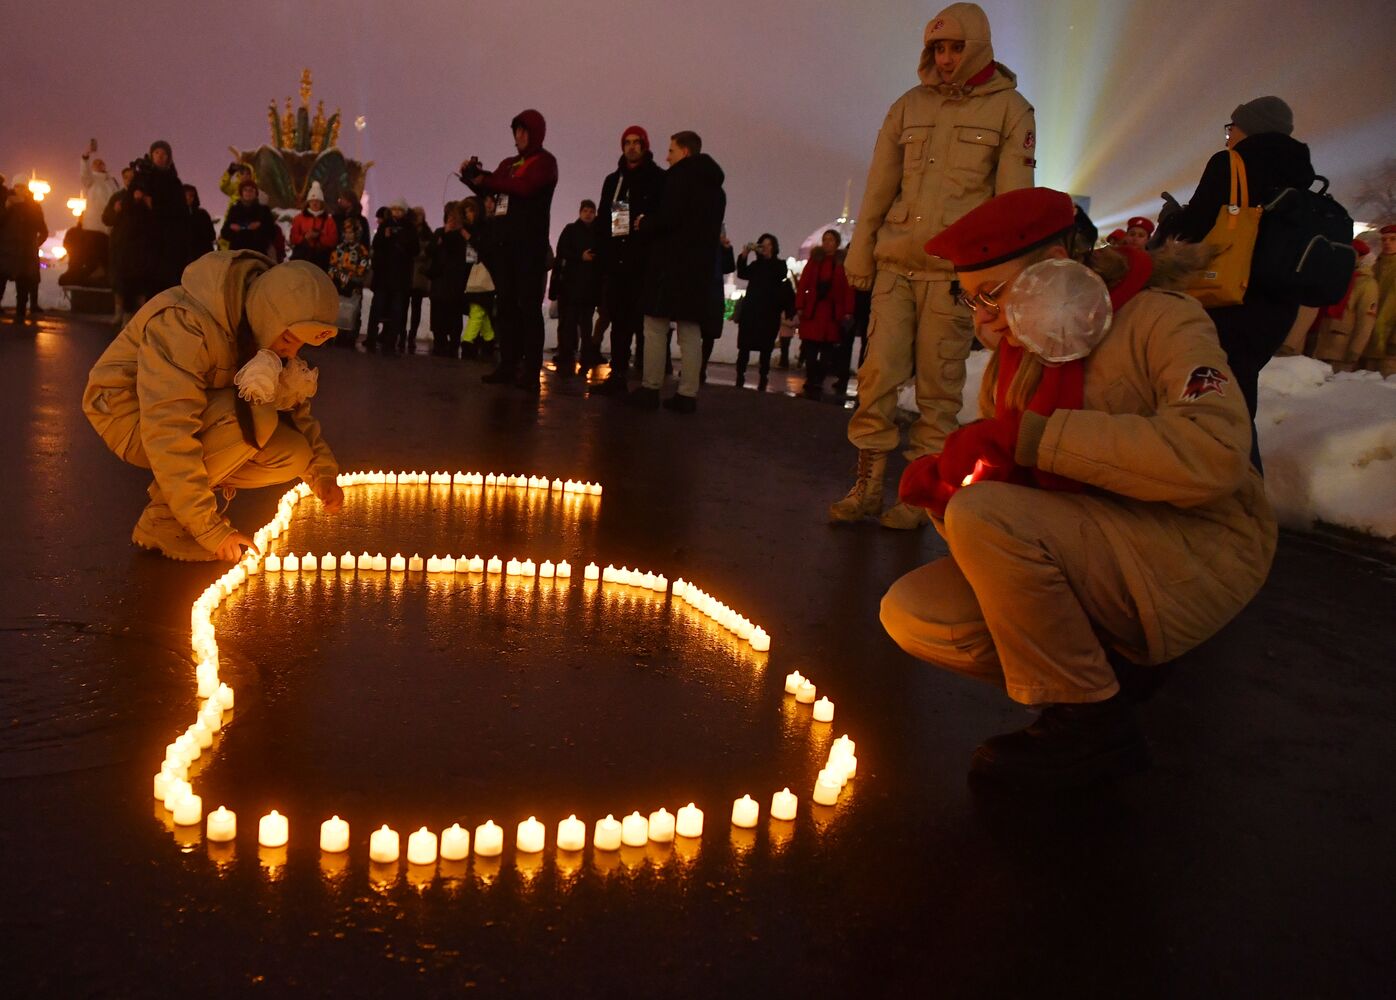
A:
{"x":160,"y":530}
{"x":904,"y":517}
{"x":865,"y":498}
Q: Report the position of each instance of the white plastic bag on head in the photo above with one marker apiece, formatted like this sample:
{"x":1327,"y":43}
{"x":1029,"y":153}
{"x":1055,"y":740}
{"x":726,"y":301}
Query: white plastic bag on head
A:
{"x":1060,"y":310}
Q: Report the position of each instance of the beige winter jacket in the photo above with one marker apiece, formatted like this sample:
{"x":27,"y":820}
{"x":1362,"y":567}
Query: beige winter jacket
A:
{"x":147,"y":393}
{"x":944,"y":148}
{"x":1344,"y":339}
{"x":1165,"y":432}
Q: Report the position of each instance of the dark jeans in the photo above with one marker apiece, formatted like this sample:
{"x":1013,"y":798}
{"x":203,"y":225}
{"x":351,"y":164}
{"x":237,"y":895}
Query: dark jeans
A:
{"x":765,"y":359}
{"x":26,"y":296}
{"x":416,"y":316}
{"x":375,"y":320}
{"x":1250,"y":334}
{"x":573,"y":329}
{"x":623,"y":288}
{"x":393,"y":313}
{"x":519,"y":291}
{"x":447,"y":322}
{"x":821,"y":359}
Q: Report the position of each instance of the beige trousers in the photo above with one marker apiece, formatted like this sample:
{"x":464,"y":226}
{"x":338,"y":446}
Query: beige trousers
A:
{"x":916,"y":328}
{"x":1028,"y":593}
{"x":231,"y":461}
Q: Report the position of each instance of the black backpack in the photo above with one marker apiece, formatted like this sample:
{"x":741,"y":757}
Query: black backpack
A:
{"x":1304,"y":250}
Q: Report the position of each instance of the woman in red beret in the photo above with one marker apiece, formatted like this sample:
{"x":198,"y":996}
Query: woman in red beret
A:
{"x":1104,"y":513}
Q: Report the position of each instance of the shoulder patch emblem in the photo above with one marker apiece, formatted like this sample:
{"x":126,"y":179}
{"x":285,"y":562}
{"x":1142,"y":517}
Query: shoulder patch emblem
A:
{"x":1204,"y":379}
{"x":1030,"y":140}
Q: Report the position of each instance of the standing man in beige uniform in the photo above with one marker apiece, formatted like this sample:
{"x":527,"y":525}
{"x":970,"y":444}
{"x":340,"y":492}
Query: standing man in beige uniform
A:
{"x":946,"y":146}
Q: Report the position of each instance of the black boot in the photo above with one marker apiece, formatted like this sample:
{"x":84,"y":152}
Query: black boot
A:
{"x":614,"y":385}
{"x":503,"y":375}
{"x":681,"y":404}
{"x":1068,"y":746}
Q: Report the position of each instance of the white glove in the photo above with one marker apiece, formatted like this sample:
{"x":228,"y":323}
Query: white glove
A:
{"x":257,"y":381}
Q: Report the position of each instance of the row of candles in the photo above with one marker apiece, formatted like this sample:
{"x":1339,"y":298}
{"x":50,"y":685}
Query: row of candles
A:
{"x":468,"y":479}
{"x":171,"y":783}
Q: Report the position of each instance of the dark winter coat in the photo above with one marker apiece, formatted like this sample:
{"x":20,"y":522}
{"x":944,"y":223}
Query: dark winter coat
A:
{"x":768,"y":297}
{"x":201,"y":233}
{"x":523,"y":233}
{"x":682,"y":233}
{"x":449,"y":269}
{"x":394,"y":254}
{"x":133,"y":235}
{"x":1273,"y":161}
{"x":640,"y":186}
{"x":579,"y":280}
{"x":717,"y":301}
{"x":22,"y":231}
{"x":243,"y":215}
{"x":171,"y":211}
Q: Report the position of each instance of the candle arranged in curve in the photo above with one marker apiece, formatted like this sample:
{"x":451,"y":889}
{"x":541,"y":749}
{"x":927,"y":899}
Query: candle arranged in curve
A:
{"x":489,"y":839}
{"x":421,"y":847}
{"x":222,"y":825}
{"x":334,"y":835}
{"x":571,"y":834}
{"x":455,"y":843}
{"x":607,"y":834}
{"x":273,"y":830}
{"x":784,"y":805}
{"x":529,"y":839}
{"x":661,"y":826}
{"x":745,"y":812}
{"x":690,"y":821}
{"x":634,"y":830}
{"x":383,"y":845}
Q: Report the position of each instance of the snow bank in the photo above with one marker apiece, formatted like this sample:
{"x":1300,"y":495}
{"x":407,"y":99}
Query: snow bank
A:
{"x":1329,"y":445}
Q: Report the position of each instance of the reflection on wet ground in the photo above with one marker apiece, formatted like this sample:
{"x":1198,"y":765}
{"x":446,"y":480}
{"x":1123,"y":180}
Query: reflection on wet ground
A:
{"x":1253,"y":858}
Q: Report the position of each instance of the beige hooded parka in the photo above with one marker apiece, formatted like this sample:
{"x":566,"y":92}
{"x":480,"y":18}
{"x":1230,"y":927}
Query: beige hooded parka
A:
{"x":148,"y":392}
{"x":944,"y":148}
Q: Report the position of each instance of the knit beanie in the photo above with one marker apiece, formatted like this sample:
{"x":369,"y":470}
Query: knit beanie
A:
{"x":1264,"y":114}
{"x":636,"y":130}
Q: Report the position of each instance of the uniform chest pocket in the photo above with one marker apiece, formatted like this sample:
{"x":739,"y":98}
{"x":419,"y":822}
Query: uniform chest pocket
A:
{"x":975,"y":149}
{"x":914,"y":142}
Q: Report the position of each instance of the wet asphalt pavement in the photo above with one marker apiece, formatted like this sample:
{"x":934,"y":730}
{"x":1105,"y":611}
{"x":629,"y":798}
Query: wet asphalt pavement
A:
{"x":1254,"y":859}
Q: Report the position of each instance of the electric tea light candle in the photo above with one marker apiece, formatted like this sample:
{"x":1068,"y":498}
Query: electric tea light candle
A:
{"x":489,"y":840}
{"x":745,"y":812}
{"x":222,"y":825}
{"x":571,"y":834}
{"x":607,"y":835}
{"x":273,"y":830}
{"x":383,"y":845}
{"x":334,"y":836}
{"x":530,"y":836}
{"x":421,"y":847}
{"x":455,"y":843}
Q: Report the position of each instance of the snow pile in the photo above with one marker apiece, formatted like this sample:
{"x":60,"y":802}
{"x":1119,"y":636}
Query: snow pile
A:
{"x":1329,"y":445}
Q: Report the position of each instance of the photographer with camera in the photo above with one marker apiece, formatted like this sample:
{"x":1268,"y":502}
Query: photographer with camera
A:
{"x":523,"y":187}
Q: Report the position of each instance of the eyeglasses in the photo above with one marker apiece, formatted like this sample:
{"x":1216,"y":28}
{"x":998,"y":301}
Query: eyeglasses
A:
{"x":1228,"y":127}
{"x":986,"y":300}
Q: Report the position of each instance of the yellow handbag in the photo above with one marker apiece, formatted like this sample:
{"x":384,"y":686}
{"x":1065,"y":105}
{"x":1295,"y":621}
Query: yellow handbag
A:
{"x":1225,"y":280}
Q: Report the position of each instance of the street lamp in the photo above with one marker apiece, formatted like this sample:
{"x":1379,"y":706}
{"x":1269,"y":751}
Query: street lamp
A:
{"x":37,"y":187}
{"x":77,"y":206}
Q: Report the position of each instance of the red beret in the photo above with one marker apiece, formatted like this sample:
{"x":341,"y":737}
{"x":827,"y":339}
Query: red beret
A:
{"x":1361,"y":247}
{"x":1117,"y":236}
{"x":1389,"y":230}
{"x":1005,"y":227}
{"x":1139,"y":222}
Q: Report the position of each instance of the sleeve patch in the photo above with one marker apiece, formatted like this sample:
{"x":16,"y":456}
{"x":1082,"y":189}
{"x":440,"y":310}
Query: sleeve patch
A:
{"x":1204,"y":379}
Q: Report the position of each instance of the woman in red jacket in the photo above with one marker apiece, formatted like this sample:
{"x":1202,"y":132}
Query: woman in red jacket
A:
{"x":313,"y":232}
{"x":825,"y":303}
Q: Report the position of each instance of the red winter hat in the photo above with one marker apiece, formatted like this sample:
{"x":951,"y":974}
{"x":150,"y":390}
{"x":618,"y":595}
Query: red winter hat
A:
{"x":637,"y":130}
{"x":1005,"y":227}
{"x":1139,"y":222}
{"x":1361,"y":247}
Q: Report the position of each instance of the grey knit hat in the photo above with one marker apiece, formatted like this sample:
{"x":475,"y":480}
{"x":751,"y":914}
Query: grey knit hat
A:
{"x":1264,"y":114}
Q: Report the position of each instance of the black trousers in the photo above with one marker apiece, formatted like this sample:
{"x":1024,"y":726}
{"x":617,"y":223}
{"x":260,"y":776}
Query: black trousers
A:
{"x":623,"y":288}
{"x":447,"y":322}
{"x":415,"y":320}
{"x":573,"y":328}
{"x":519,"y":290}
{"x":765,"y":361}
{"x":821,"y":359}
{"x":1250,"y":334}
{"x":393,"y":313}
